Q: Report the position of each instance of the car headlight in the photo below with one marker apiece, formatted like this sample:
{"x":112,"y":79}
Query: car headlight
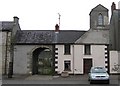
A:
{"x":93,"y":76}
{"x":107,"y":76}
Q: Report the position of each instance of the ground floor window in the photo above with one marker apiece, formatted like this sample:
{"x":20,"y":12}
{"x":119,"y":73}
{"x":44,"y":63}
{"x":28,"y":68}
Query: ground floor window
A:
{"x":67,"y":65}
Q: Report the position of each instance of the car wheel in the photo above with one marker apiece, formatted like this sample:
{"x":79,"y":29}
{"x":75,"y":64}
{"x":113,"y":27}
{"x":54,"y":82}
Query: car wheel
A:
{"x":91,"y":82}
{"x":107,"y":81}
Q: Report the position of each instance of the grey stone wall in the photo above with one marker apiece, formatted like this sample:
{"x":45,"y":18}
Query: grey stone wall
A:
{"x":5,"y":45}
{"x":115,"y":31}
{"x":94,"y":16}
{"x":0,"y":55}
{"x":23,"y":58}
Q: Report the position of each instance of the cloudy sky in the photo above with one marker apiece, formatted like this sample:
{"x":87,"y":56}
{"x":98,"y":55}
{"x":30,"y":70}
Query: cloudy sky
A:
{"x":43,"y":14}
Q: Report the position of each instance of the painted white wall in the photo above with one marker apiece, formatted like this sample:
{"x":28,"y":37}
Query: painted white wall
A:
{"x":119,"y":61}
{"x":62,"y":58}
{"x":98,"y":55}
{"x":78,"y":59}
{"x":77,"y":56}
{"x":113,"y":62}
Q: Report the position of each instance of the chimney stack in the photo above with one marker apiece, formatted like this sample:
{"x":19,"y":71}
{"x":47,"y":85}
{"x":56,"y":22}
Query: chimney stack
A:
{"x":16,"y":19}
{"x":113,"y":7}
{"x":56,"y":28}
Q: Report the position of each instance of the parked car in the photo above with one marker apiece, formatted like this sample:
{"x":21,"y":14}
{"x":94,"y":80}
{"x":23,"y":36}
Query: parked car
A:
{"x":98,"y":74}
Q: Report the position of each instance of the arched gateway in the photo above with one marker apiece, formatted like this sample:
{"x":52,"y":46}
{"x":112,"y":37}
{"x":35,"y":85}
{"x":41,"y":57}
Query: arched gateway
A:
{"x":42,"y":61}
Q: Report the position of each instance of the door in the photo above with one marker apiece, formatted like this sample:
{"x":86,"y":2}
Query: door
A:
{"x":87,"y":65}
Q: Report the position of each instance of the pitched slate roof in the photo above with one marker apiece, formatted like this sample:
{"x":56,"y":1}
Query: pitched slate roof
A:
{"x":94,"y":37}
{"x":6,"y":26}
{"x":47,"y":36}
{"x":67,"y":36}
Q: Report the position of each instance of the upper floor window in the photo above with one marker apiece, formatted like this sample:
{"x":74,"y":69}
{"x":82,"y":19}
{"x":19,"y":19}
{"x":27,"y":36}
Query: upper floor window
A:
{"x":100,"y":19}
{"x":87,"y":49}
{"x":66,"y":49}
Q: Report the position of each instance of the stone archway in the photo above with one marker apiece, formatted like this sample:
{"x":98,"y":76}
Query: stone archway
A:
{"x":42,"y":61}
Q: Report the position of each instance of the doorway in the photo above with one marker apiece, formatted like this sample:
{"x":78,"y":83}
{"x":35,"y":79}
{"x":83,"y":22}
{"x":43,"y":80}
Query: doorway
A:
{"x":42,"y":62}
{"x":87,"y":65}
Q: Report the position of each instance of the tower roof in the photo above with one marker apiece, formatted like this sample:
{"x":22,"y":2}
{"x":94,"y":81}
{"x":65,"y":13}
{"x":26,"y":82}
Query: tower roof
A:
{"x":98,"y":7}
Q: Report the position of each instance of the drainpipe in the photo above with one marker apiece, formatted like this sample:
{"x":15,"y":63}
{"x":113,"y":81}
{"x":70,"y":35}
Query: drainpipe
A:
{"x":10,"y":71}
{"x":73,"y":59}
{"x":5,"y":71}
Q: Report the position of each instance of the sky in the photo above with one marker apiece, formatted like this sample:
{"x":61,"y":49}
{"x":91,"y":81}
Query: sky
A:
{"x":43,"y":14}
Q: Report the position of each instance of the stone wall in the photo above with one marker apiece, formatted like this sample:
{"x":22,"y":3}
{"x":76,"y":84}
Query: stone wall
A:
{"x":6,"y":49}
{"x":0,"y":56}
{"x":23,"y":58}
{"x":94,"y":16}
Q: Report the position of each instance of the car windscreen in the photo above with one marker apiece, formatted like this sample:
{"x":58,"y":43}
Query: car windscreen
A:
{"x":98,"y":71}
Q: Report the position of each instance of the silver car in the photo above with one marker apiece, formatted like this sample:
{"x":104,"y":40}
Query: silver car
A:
{"x":98,"y":74}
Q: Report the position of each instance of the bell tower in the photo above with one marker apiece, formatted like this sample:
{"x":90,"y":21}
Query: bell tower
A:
{"x":99,"y":17}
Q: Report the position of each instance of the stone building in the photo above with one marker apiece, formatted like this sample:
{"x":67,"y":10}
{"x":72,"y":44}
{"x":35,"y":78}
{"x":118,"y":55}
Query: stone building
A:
{"x":96,"y":40}
{"x":8,"y":31}
{"x":115,"y":38}
{"x":114,"y":28}
{"x":55,"y":51}
{"x":37,"y":50}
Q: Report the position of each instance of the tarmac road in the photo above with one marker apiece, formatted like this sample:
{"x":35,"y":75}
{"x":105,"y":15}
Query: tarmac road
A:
{"x":38,"y":80}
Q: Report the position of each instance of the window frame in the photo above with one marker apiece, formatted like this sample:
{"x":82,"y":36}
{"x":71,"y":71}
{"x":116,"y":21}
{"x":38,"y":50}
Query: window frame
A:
{"x":69,"y":67}
{"x":100,"y":20}
{"x":67,"y":49}
{"x":87,"y":49}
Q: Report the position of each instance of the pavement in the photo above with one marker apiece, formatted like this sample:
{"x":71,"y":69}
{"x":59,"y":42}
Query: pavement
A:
{"x":47,"y":79}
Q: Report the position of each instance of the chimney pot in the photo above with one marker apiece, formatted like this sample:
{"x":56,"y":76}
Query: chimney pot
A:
{"x":113,"y":7}
{"x":56,"y":28}
{"x":16,"y":19}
